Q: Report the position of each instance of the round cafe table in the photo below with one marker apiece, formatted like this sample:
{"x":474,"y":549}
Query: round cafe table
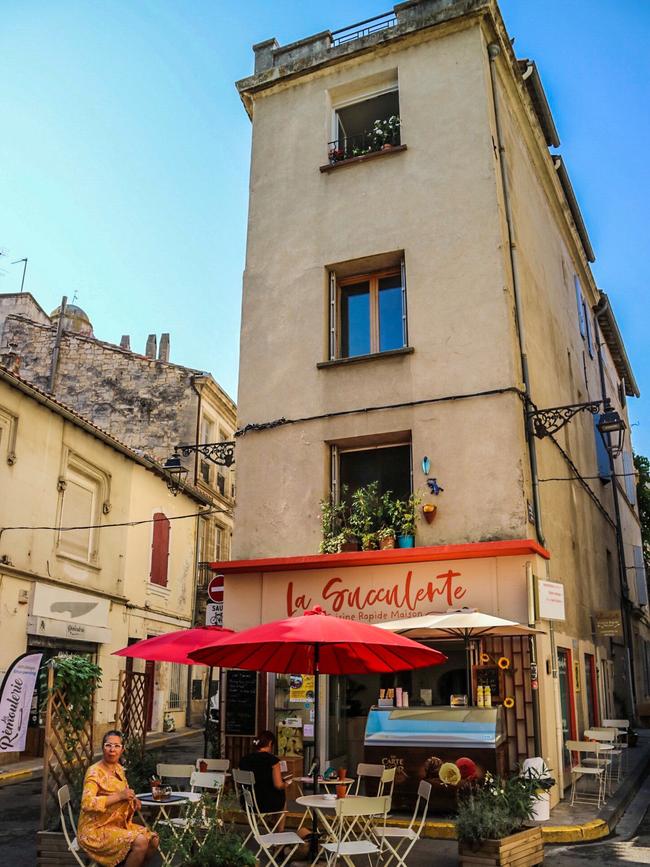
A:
{"x":179,"y":829}
{"x":319,"y":805}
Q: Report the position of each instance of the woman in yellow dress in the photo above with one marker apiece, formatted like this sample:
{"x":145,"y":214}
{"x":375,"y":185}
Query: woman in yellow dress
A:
{"x":105,"y":830}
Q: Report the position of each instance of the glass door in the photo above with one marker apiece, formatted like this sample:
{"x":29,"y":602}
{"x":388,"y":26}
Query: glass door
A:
{"x":567,"y":700}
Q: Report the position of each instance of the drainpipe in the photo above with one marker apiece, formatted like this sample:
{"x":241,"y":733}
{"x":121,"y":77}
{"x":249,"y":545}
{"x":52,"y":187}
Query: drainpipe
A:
{"x":600,"y":309}
{"x":493,"y":52}
{"x":57,"y":344}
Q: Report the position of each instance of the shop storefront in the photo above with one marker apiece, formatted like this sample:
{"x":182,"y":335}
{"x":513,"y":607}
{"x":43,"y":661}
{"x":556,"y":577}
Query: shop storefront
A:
{"x":380,"y":586}
{"x":61,"y":621}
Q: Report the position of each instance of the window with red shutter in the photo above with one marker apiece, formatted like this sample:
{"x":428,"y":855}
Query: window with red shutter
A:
{"x":160,"y":550}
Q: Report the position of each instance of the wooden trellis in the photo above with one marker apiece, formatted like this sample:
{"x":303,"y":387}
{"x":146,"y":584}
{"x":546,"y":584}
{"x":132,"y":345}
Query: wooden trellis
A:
{"x":68,"y":750}
{"x":516,"y":682}
{"x":133,"y":698}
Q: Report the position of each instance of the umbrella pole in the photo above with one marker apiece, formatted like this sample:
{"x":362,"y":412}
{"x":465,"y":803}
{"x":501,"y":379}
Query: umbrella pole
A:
{"x":206,"y":727}
{"x":468,"y":669}
{"x":313,"y":844}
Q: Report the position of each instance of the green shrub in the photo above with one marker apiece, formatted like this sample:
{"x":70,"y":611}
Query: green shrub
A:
{"x":496,"y":808}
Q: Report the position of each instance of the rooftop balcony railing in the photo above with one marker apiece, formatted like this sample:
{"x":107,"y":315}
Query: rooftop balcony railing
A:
{"x":364,"y":28}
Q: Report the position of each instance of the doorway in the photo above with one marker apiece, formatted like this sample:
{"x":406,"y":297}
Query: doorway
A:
{"x":591,"y":691}
{"x":567,"y":701}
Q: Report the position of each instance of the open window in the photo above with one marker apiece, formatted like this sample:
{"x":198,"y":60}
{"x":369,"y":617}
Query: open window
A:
{"x":385,"y":459}
{"x":366,"y":120}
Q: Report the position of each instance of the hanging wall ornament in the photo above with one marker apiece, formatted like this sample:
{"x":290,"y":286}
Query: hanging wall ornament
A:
{"x":426,"y":465}
{"x":434,"y":487}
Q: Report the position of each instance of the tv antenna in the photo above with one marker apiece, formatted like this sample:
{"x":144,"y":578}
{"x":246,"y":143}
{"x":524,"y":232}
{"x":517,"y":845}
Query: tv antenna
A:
{"x":24,"y":261}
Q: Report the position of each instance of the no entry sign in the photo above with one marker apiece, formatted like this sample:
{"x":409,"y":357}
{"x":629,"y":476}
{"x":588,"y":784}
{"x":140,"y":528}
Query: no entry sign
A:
{"x":215,"y":589}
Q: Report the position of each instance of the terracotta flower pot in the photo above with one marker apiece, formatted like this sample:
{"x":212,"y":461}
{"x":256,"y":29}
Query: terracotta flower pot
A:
{"x":387,"y":542}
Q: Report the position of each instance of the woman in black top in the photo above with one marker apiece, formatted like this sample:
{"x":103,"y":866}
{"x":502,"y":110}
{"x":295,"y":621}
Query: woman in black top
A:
{"x":270,"y":788}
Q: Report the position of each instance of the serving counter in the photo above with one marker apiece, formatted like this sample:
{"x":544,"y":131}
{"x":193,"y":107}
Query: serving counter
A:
{"x":447,"y":746}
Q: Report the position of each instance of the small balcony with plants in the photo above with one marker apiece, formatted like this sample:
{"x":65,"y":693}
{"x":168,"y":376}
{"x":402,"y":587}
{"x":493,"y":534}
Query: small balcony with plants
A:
{"x":367,"y":126}
{"x":368,"y":520}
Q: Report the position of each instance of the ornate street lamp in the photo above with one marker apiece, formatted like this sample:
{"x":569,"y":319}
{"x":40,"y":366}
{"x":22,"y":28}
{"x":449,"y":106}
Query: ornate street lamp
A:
{"x":611,"y":426}
{"x":222,"y":454}
{"x":176,"y":473}
{"x":612,"y":429}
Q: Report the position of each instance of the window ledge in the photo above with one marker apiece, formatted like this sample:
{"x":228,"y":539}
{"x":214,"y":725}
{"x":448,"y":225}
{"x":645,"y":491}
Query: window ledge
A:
{"x":373,"y":356}
{"x":330,"y":167}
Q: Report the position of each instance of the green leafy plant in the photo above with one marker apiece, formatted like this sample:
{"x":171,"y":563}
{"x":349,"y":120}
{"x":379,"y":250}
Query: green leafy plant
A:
{"x":217,"y":842}
{"x":76,"y":678}
{"x":404,"y":514}
{"x":140,"y":765}
{"x":495,"y":808}
{"x":385,"y":131}
{"x":365,"y":510}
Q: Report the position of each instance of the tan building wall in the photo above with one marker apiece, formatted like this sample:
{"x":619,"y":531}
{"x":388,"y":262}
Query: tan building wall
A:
{"x":45,"y":454}
{"x":441,"y":203}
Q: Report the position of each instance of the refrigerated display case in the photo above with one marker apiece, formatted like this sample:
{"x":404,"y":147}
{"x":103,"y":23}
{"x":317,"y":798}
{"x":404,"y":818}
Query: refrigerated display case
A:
{"x":450,"y":747}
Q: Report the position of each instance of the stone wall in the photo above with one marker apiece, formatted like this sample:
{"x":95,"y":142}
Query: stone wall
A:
{"x":148,"y":404}
{"x":22,"y":304}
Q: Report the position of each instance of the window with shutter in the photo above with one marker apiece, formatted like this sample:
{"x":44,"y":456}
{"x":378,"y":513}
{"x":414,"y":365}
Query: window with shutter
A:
{"x":581,"y":307}
{"x":641,"y":579}
{"x":160,"y":550}
{"x":83,"y":488}
{"x":604,"y":470}
{"x":630,"y":478}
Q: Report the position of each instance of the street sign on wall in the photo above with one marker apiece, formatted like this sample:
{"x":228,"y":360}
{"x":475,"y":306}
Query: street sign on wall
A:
{"x":215,"y":588}
{"x":214,"y":608}
{"x":550,"y":600}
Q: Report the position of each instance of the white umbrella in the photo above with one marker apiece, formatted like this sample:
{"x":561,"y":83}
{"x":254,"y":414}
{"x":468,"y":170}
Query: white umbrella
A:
{"x":466,"y":623}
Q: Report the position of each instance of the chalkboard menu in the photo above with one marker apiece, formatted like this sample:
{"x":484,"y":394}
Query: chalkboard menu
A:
{"x":241,"y":702}
{"x":489,"y":676}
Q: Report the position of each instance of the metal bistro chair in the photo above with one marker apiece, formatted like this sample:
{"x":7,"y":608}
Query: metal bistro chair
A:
{"x":580,"y":769}
{"x":201,"y":781}
{"x":400,"y":841}
{"x":353,"y":816}
{"x":69,"y":827}
{"x":367,"y":772}
{"x":220,"y":765}
{"x":621,"y":726}
{"x":268,"y":842}
{"x":609,"y":737}
{"x":245,"y":782}
{"x":180,"y":773}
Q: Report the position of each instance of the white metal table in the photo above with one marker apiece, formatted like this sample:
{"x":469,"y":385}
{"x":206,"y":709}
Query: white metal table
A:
{"x":179,"y":830}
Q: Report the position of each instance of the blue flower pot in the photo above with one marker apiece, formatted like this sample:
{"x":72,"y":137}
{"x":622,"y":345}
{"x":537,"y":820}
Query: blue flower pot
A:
{"x":405,"y":541}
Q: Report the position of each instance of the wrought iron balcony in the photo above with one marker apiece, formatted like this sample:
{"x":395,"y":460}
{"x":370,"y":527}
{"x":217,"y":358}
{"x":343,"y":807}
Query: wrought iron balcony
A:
{"x":364,"y":28}
{"x":364,"y":143}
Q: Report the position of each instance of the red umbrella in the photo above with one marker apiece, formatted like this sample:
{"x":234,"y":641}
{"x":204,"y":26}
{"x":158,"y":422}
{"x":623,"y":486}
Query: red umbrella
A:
{"x":175,"y":646}
{"x":318,"y":643}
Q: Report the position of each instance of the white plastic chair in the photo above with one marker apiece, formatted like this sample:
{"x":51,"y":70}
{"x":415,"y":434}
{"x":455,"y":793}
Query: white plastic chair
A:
{"x":353,"y":816}
{"x":245,"y":782}
{"x":69,"y":827}
{"x":175,"y":772}
{"x":221,"y":765}
{"x":400,"y":841}
{"x":268,"y":842}
{"x":580,"y":769}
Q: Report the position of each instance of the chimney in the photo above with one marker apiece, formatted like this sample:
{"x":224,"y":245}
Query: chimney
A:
{"x":163,"y":349}
{"x":150,"y":350}
{"x":125,"y":342}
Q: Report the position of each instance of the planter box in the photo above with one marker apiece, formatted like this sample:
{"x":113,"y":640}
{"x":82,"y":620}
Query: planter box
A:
{"x":52,"y":850}
{"x":524,"y":849}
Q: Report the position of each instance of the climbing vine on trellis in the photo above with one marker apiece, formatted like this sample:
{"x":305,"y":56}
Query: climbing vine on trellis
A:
{"x":71,"y":684}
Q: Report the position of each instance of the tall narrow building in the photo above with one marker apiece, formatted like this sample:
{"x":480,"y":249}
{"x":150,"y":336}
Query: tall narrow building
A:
{"x":417,"y":288}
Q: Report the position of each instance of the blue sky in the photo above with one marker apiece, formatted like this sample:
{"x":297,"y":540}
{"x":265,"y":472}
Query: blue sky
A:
{"x":125,"y":153}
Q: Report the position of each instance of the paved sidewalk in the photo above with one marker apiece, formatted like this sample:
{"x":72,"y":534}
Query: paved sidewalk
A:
{"x":26,"y":769}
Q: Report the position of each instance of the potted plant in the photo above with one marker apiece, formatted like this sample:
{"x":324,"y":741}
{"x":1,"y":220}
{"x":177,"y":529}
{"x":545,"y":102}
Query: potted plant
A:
{"x":404,"y":518}
{"x":385,"y":133}
{"x":538,"y":772}
{"x":490,"y":823}
{"x":386,"y":538}
{"x":369,"y":542}
{"x":429,"y":511}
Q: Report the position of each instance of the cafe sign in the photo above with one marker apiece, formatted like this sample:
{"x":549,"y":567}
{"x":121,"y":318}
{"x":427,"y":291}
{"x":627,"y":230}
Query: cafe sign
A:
{"x":550,"y":600}
{"x":609,"y":624}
